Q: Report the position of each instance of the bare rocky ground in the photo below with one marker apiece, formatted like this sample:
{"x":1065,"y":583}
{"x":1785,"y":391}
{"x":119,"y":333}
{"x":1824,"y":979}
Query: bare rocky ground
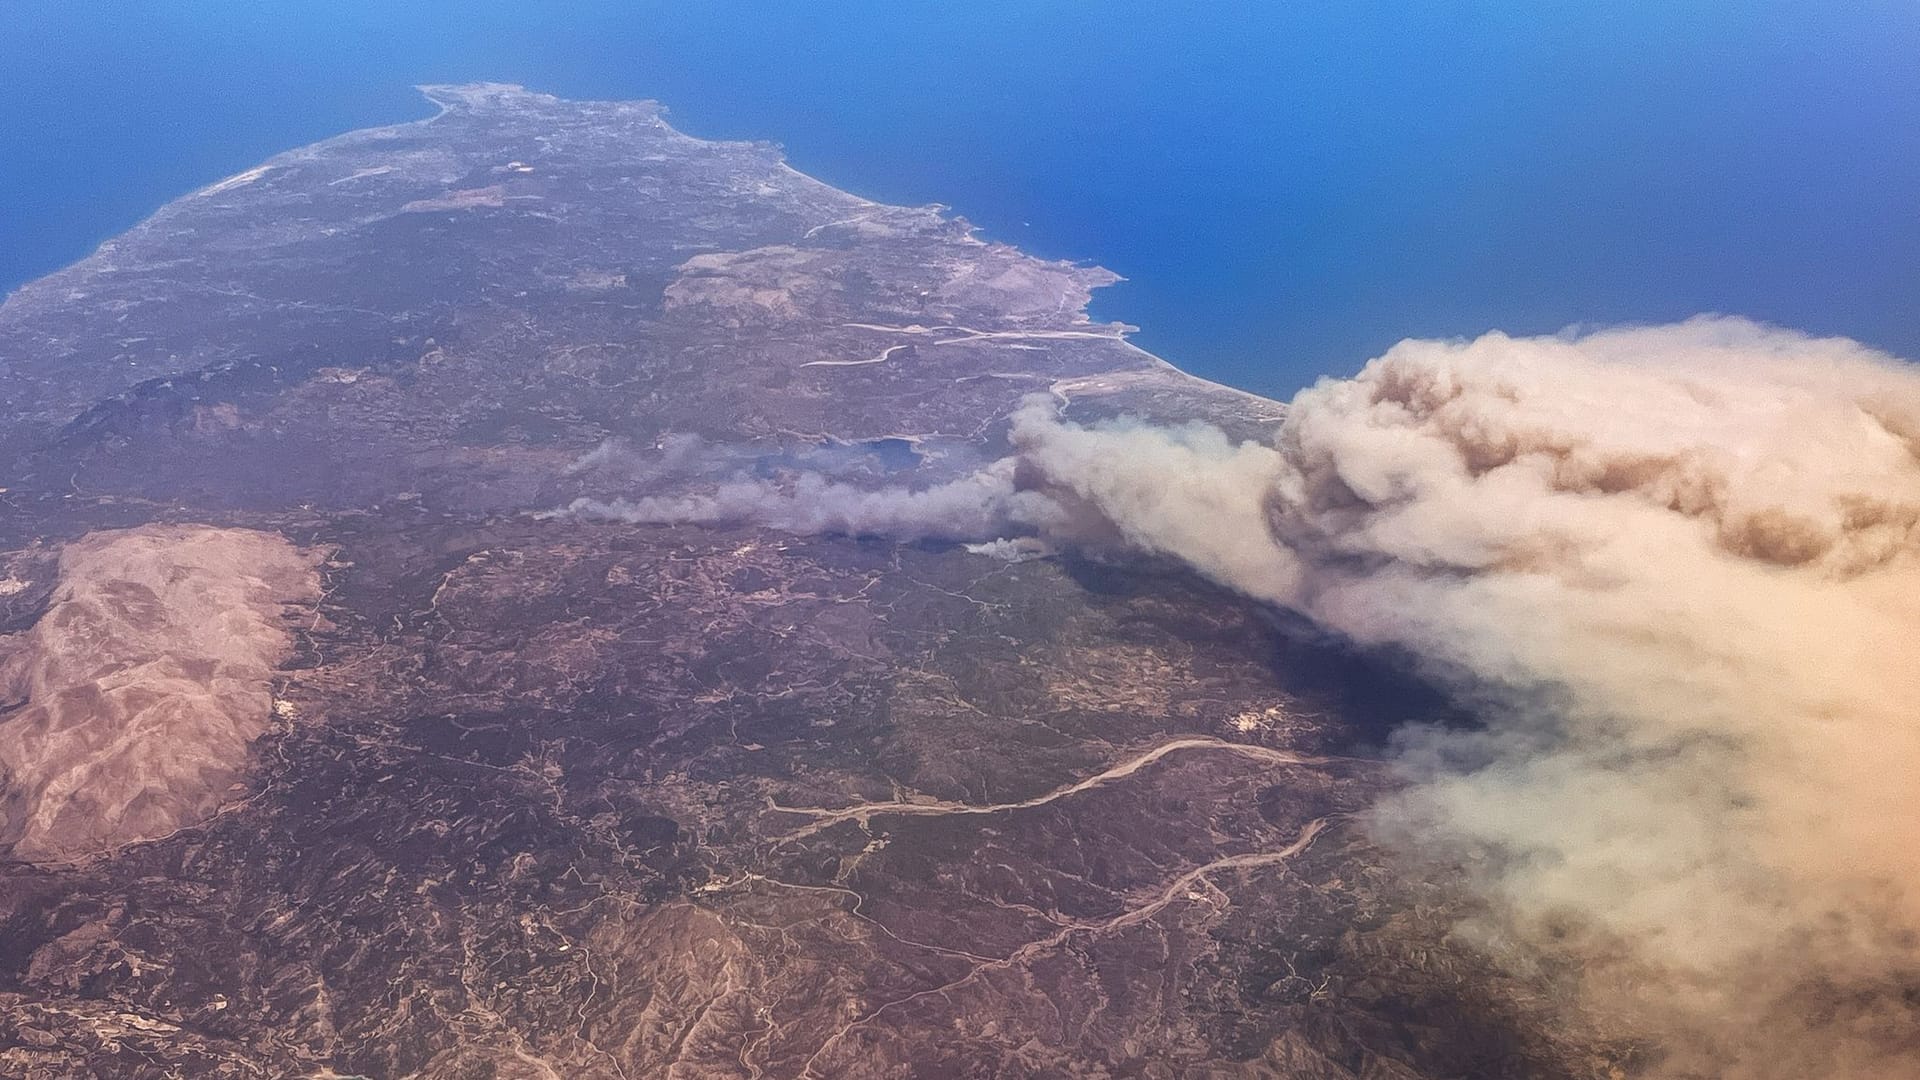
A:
{"x":543,"y":797}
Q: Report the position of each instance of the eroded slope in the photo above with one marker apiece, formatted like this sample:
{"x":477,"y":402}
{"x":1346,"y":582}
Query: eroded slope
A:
{"x":134,"y":697}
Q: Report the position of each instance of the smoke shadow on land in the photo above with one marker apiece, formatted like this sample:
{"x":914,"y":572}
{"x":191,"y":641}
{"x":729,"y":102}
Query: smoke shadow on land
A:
{"x":1370,"y":692}
{"x":1374,"y":692}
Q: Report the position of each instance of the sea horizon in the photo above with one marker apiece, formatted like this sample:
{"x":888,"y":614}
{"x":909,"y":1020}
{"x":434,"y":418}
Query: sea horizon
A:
{"x":1267,"y":236}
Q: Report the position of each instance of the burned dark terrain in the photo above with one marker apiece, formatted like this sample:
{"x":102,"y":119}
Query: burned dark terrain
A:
{"x":528,"y":795}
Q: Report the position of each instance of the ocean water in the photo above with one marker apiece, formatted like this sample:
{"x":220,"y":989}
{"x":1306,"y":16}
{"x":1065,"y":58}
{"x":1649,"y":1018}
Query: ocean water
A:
{"x":1290,"y":186}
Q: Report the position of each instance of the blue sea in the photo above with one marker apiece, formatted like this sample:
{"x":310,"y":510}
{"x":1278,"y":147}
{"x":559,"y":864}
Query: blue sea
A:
{"x":1289,"y":186}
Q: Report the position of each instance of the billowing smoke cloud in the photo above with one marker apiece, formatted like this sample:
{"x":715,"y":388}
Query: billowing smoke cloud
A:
{"x":1680,"y":569}
{"x":979,"y":504}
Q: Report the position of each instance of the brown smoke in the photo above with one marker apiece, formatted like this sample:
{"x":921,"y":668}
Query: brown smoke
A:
{"x":1678,"y":571}
{"x":1681,"y":567}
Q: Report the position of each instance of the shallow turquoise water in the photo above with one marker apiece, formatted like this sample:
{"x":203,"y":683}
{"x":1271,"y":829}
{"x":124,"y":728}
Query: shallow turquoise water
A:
{"x":1289,"y":187}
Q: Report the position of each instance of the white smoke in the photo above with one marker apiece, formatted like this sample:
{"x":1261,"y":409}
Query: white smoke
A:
{"x":982,"y":503}
{"x":1681,"y":567}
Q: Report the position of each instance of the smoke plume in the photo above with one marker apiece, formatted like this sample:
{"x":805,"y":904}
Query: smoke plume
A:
{"x":980,"y":504}
{"x":1679,"y":569}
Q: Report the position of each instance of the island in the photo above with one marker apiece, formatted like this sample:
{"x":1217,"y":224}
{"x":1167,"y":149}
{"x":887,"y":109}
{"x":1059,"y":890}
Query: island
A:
{"x":347,"y":729}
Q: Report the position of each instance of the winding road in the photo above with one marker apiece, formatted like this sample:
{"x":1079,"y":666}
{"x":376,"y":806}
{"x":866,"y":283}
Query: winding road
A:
{"x":1132,"y":916}
{"x":824,"y":817}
